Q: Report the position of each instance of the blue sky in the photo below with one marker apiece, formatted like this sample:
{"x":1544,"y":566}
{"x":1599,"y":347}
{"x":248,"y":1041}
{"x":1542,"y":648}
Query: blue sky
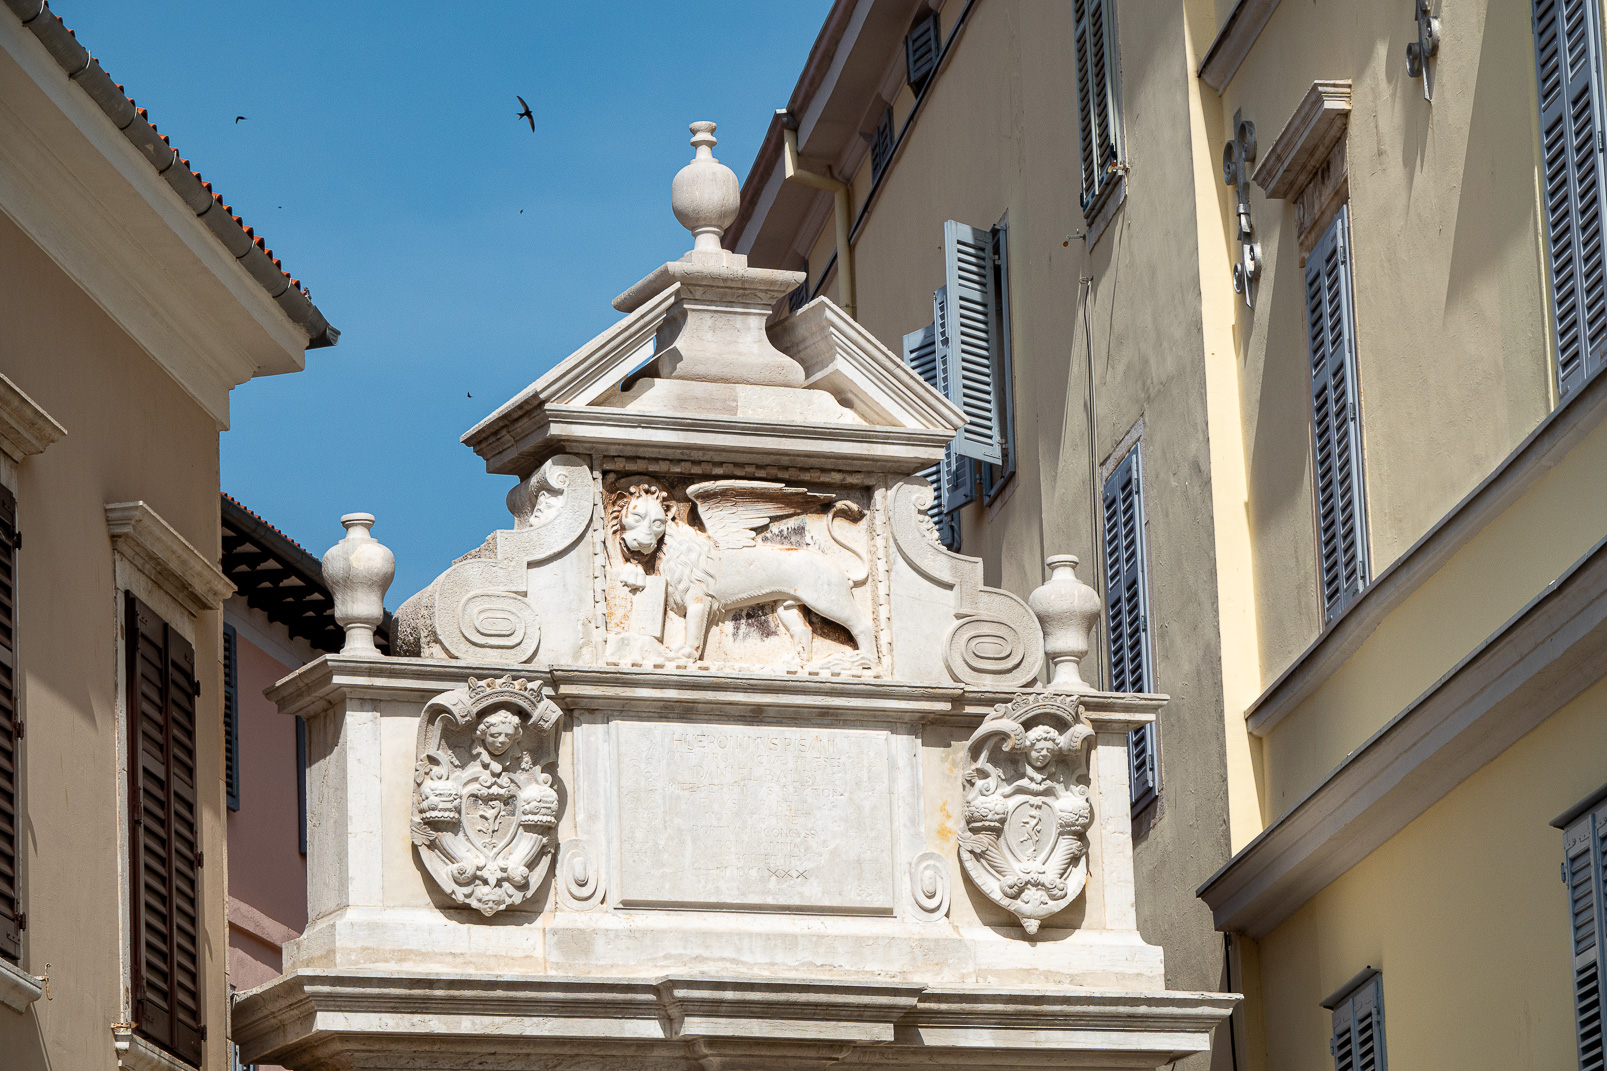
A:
{"x":458,"y":253}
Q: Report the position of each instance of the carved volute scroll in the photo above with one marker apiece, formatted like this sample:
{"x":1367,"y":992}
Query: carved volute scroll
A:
{"x":485,"y":815}
{"x":1027,"y":811}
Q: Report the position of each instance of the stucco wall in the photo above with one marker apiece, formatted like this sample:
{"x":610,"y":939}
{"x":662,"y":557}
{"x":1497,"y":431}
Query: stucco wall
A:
{"x":1465,"y":914}
{"x":132,"y":433}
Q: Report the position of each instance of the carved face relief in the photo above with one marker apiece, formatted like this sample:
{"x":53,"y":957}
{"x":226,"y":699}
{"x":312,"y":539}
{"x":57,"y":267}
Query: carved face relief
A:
{"x":642,"y":519}
{"x":1026,"y":810}
{"x":484,"y":812}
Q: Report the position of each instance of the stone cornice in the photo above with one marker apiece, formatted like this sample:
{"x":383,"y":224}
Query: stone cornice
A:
{"x":1316,"y":126}
{"x":1543,"y":449}
{"x":18,"y":988}
{"x":1234,"y":41}
{"x":134,"y":1053}
{"x":151,"y":545}
{"x":25,"y":428}
{"x":1542,"y":658}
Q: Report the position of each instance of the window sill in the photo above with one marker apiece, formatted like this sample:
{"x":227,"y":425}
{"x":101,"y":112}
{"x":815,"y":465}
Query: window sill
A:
{"x":134,"y":1053}
{"x":1100,"y":214}
{"x":18,"y":988}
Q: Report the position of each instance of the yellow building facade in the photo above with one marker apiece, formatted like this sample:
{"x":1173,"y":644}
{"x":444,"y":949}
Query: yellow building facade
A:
{"x":1293,"y":336}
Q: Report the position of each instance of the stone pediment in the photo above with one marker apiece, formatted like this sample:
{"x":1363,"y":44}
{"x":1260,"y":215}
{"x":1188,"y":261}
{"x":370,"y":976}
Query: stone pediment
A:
{"x":855,"y":406}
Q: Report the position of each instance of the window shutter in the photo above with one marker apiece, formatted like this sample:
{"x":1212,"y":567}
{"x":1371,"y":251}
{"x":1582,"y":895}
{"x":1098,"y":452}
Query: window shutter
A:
{"x":968,"y":340}
{"x":920,"y":353}
{"x":1098,"y":114}
{"x":1586,"y":871}
{"x":881,"y":146}
{"x":921,"y":49}
{"x":1567,"y":39}
{"x":231,"y":716}
{"x":1358,"y":1038}
{"x":1127,"y":615}
{"x":10,"y":734}
{"x":166,"y":832}
{"x":1336,"y":420}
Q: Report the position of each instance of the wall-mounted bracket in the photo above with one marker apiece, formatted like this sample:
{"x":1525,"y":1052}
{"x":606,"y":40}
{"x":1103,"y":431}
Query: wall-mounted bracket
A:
{"x":1427,"y":46}
{"x":1237,"y":156}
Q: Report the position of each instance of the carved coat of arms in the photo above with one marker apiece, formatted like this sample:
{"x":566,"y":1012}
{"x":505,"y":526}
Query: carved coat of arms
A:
{"x":1026,"y":809}
{"x":725,"y":567}
{"x":485,"y":814}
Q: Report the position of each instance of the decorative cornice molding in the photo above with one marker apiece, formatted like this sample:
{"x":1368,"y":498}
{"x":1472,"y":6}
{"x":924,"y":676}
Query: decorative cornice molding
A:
{"x":134,"y":1053}
{"x":25,"y":428}
{"x":1234,"y":41}
{"x":151,"y":545}
{"x":1542,"y":450}
{"x":1541,"y":659}
{"x":1316,"y":126}
{"x":18,"y":988}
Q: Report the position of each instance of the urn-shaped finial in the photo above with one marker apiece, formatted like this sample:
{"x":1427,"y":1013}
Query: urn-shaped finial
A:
{"x":705,"y":194}
{"x":1067,"y":608}
{"x":358,"y":569}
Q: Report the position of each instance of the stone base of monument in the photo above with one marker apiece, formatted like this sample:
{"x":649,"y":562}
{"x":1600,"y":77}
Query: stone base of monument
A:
{"x":749,"y":872}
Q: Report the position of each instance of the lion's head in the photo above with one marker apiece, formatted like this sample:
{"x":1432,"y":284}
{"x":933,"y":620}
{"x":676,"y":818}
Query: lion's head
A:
{"x":644,"y":514}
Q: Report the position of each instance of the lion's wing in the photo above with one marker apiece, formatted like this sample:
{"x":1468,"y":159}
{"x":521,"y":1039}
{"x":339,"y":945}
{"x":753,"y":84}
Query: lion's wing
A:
{"x":732,"y":510}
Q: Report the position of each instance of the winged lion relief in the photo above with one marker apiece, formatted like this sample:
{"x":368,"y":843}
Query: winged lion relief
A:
{"x":763,"y":552}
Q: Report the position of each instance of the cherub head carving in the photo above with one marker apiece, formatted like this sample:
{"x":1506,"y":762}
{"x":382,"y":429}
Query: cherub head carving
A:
{"x":497,"y":732}
{"x":1042,"y":745}
{"x":644,"y":513}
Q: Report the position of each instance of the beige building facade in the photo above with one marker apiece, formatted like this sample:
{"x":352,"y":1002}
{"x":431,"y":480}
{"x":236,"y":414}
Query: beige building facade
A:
{"x":1292,"y":341}
{"x":131,"y":302}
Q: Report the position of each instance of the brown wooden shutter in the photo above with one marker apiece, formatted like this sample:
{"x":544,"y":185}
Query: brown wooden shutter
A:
{"x":166,"y":833}
{"x":10,"y":735}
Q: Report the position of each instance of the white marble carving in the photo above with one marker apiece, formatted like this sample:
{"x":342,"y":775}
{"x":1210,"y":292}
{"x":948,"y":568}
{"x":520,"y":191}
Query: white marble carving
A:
{"x":484,"y":811}
{"x":929,"y":884}
{"x":704,"y":575}
{"x":481,"y":607}
{"x":1067,"y":609}
{"x":995,"y":641}
{"x":1027,"y":810}
{"x":358,"y":570}
{"x":581,"y":877}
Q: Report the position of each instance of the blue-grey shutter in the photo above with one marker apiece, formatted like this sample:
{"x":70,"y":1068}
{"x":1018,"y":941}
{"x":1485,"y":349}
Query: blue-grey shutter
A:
{"x":921,"y":51}
{"x":881,"y":145}
{"x":231,"y":716}
{"x":968,"y":340}
{"x":1567,"y":41}
{"x":920,"y":353}
{"x":1358,"y":1038}
{"x":1336,"y":419}
{"x":1098,"y":110}
{"x":1586,"y":869}
{"x":1127,"y":615}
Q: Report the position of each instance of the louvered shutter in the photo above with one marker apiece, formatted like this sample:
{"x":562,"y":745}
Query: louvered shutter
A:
{"x":1586,"y":871}
{"x":1098,"y":109}
{"x":1127,"y":614}
{"x":1567,"y":38}
{"x":920,"y":353}
{"x":166,"y":832}
{"x":231,"y":716}
{"x":1336,"y":420}
{"x":1358,"y":1038}
{"x":968,"y":340}
{"x":881,"y":145}
{"x":921,"y":49}
{"x":10,"y":739}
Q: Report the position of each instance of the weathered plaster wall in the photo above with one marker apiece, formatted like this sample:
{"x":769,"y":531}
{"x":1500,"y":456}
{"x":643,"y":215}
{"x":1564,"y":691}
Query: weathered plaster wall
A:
{"x":1452,"y":336}
{"x":1424,"y":909}
{"x":132,"y":433}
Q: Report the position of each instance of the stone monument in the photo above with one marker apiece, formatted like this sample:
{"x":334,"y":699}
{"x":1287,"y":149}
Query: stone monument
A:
{"x":716,"y":758}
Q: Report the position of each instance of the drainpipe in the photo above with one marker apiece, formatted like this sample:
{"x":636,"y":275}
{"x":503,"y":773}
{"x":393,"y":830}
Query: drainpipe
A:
{"x":840,"y":190}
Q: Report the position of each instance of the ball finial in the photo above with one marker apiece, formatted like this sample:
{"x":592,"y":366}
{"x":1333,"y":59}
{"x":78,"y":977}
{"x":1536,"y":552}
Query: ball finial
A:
{"x":705,"y":193}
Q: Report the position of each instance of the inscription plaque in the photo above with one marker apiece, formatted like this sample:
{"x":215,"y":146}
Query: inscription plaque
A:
{"x":747,"y":817}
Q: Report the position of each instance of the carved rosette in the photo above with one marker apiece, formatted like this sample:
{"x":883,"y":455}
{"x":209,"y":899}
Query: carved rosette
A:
{"x":1026,"y":809}
{"x":485,"y":815}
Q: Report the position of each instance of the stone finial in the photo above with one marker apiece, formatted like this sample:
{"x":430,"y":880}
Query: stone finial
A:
{"x":358,"y":571}
{"x":1067,"y":608}
{"x":705,"y":194}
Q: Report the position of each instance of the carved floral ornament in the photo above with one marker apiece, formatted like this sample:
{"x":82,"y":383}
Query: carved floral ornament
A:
{"x":485,"y":814}
{"x":1026,"y":806}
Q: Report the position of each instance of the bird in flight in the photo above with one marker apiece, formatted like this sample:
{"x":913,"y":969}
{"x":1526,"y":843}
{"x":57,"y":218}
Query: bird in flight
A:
{"x":237,"y":119}
{"x":526,"y":114}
